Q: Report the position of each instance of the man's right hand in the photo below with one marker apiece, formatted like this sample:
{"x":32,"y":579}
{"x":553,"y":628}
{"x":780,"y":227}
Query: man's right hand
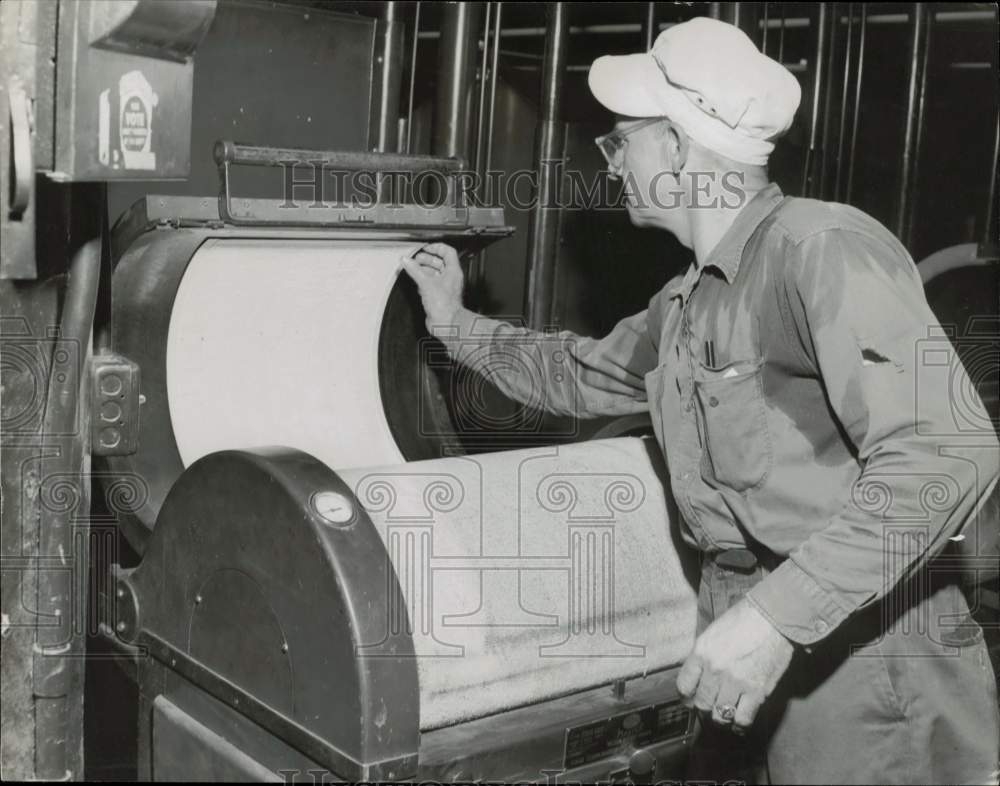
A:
{"x":439,"y":277}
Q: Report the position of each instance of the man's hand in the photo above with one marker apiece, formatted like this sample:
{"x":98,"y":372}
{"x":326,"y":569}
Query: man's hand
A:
{"x":439,"y":278}
{"x":736,"y":663}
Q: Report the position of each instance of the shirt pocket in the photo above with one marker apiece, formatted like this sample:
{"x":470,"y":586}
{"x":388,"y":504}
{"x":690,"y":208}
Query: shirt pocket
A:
{"x":734,"y":416}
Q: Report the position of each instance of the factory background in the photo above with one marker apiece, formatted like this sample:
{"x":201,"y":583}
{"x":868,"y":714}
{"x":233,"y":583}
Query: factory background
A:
{"x":899,"y":117}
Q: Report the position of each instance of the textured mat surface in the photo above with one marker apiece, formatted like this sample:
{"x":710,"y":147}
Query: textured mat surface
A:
{"x":530,"y":574}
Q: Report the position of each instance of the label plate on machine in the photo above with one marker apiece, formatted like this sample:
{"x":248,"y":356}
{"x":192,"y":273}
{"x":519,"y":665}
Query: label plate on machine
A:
{"x":638,"y":728}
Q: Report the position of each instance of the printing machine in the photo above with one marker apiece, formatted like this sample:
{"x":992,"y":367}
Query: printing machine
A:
{"x":264,"y":577}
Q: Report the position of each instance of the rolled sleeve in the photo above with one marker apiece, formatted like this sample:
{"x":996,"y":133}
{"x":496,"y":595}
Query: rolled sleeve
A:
{"x":562,"y":373}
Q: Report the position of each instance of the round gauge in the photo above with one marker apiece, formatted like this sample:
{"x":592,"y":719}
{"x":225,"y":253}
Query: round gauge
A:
{"x":333,"y":507}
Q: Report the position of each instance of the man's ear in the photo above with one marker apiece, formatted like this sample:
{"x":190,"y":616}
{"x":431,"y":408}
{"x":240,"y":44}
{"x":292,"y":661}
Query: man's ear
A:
{"x":676,"y":147}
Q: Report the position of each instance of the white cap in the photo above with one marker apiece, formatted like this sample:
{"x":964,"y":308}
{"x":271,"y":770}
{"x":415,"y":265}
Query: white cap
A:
{"x":709,"y":78}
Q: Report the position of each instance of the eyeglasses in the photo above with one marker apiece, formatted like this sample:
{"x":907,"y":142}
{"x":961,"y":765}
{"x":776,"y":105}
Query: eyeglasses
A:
{"x":613,"y":145}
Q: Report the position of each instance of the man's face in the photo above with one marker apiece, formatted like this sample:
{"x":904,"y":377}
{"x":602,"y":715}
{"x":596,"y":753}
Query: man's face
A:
{"x":643,"y":164}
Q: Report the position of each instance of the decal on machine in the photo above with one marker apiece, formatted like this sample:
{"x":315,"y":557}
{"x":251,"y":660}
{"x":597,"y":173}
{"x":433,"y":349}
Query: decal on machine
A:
{"x":132,"y":147}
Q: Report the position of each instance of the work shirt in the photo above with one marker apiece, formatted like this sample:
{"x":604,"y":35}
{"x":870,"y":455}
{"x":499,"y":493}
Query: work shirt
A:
{"x":788,"y":388}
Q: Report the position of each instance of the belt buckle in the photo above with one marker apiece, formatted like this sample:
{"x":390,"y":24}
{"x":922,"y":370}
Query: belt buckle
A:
{"x":739,"y":560}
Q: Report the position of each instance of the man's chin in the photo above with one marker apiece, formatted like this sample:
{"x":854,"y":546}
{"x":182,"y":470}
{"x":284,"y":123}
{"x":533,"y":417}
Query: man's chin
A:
{"x":636,"y":215}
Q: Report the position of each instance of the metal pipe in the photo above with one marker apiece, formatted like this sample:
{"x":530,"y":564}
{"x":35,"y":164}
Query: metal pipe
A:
{"x":475,"y":270}
{"x":848,"y":56}
{"x":389,"y":73}
{"x":480,"y":261}
{"x":914,"y":118}
{"x":989,"y":231}
{"x":650,"y":27}
{"x":456,"y":64}
{"x":481,"y":111}
{"x":494,"y":68}
{"x":413,"y":76}
{"x":831,"y":58}
{"x":781,"y":35}
{"x":763,"y":39}
{"x":807,"y":174}
{"x":790,"y":23}
{"x":57,"y":657}
{"x":857,"y":102}
{"x":543,"y":231}
{"x":918,"y":144}
{"x":946,"y":17}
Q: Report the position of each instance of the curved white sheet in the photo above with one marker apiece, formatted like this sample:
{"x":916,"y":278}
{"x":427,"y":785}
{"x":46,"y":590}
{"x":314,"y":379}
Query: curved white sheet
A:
{"x":530,"y":574}
{"x":276,"y":343}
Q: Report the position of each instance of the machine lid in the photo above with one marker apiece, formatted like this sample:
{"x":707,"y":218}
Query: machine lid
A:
{"x":152,"y":256}
{"x":475,"y":227}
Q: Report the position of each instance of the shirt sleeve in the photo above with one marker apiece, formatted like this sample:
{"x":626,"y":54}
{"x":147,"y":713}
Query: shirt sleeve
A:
{"x":562,"y":373}
{"x":857,"y":310}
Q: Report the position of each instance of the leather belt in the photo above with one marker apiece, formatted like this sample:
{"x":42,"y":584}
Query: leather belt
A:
{"x":738,"y":560}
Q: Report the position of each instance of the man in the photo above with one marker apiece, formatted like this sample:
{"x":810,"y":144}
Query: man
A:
{"x":780,"y":375}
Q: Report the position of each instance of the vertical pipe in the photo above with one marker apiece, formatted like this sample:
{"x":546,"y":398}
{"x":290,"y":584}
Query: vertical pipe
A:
{"x":389,"y":74}
{"x":763,"y":36}
{"x":807,"y":170}
{"x":828,"y":87}
{"x":543,"y":231}
{"x":918,"y":144}
{"x":918,"y":65}
{"x":475,"y":265}
{"x":481,"y":111}
{"x":413,"y":77}
{"x":494,"y":67}
{"x":989,"y":230}
{"x":990,"y":224}
{"x":58,"y":661}
{"x":781,"y":36}
{"x":456,"y":65}
{"x":649,"y":28}
{"x":484,"y":195}
{"x":857,"y":102}
{"x":848,"y":56}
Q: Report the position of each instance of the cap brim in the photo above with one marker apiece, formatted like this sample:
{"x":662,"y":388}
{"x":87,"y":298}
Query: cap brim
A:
{"x":630,"y":85}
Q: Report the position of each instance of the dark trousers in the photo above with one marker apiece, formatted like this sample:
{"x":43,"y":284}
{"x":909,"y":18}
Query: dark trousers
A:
{"x":903,"y":692}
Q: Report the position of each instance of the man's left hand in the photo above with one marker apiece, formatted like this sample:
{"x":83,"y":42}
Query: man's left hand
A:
{"x":735,"y":665}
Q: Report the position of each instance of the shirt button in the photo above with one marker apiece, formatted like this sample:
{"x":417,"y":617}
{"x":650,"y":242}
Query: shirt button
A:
{"x":713,"y":402}
{"x":821,"y":627}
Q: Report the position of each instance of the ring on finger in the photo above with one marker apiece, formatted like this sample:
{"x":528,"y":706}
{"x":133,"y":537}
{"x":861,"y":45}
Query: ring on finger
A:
{"x":726,"y":712}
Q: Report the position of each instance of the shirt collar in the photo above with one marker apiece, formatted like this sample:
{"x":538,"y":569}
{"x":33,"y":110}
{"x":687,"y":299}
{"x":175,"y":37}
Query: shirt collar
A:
{"x":727,"y":254}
